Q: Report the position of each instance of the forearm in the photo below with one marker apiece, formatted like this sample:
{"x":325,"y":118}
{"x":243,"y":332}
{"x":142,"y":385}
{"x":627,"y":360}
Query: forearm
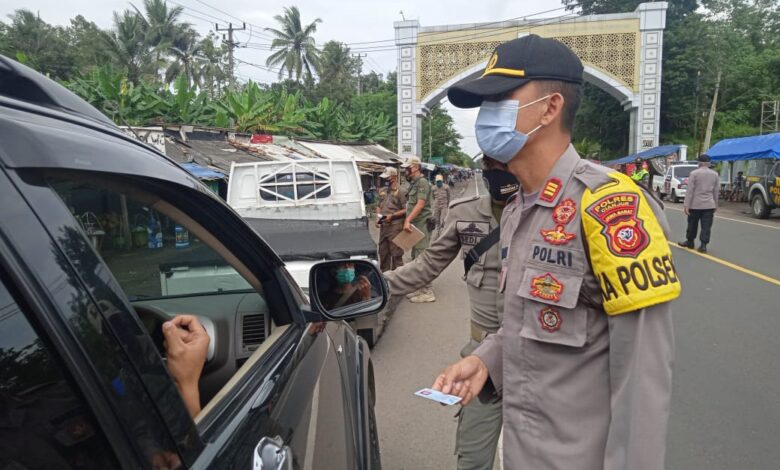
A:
{"x":416,"y":210}
{"x":640,"y":370}
{"x":191,"y":396}
{"x":428,"y":266}
{"x":491,"y":353}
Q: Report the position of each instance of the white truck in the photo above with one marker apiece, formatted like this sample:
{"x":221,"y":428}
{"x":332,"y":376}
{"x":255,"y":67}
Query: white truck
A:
{"x":674,"y":183}
{"x":308,"y":211}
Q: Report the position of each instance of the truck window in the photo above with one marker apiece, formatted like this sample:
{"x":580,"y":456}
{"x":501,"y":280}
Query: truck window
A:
{"x":44,"y":420}
{"x":295,"y":186}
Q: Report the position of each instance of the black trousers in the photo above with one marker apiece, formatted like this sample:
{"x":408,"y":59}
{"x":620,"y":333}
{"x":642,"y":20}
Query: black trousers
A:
{"x":706,"y":216}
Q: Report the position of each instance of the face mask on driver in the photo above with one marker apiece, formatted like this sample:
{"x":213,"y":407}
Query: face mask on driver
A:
{"x":500,"y":183}
{"x":495,"y":128}
{"x":345,"y":275}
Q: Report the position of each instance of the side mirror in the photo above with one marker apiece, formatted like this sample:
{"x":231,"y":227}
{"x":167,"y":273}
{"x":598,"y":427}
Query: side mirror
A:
{"x":347,"y":289}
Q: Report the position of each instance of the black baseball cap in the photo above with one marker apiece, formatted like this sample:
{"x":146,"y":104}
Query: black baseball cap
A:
{"x":515,"y":63}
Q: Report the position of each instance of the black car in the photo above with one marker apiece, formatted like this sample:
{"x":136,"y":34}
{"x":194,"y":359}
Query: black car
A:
{"x":102,"y":240}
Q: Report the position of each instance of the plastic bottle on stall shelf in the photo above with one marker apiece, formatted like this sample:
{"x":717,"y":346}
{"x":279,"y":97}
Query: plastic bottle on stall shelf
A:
{"x":182,"y":237}
{"x":154,"y":233}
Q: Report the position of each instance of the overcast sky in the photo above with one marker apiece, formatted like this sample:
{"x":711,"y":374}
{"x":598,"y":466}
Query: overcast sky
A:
{"x":349,"y":21}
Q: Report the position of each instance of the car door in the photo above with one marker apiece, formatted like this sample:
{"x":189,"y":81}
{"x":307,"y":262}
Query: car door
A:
{"x":774,"y":186}
{"x":289,"y":388}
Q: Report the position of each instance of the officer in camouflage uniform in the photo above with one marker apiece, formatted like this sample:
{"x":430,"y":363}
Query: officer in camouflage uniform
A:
{"x":583,"y":359}
{"x":392,"y":208}
{"x":418,"y":211}
{"x":442,"y":197}
{"x":468,"y":224}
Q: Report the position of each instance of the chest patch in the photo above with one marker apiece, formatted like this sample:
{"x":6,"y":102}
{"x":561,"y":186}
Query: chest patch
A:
{"x":471,"y":232}
{"x":554,"y":256}
{"x":547,"y":287}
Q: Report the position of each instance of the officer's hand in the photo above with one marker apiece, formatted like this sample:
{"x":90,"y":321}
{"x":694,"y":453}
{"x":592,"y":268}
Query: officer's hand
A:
{"x":465,"y":379}
{"x":687,"y":211}
{"x":407,"y":225}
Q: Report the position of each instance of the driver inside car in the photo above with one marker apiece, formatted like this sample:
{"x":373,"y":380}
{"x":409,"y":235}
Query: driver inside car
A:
{"x":186,"y":346}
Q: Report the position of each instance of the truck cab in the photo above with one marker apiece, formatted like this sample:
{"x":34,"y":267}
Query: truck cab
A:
{"x":763,"y":187}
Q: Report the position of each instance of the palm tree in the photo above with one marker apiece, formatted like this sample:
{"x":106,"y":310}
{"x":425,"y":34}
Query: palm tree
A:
{"x":127,"y":45}
{"x":187,"y":53}
{"x":161,"y":24}
{"x":212,"y":66}
{"x":297,"y":48}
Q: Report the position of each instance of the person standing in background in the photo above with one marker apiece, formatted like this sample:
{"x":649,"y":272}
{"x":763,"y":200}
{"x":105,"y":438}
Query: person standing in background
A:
{"x":418,"y":211}
{"x":441,"y":201}
{"x":392,"y":208}
{"x":701,"y":202}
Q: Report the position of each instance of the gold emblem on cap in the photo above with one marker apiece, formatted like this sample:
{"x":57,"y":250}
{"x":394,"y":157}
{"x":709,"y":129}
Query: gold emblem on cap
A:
{"x":492,"y":62}
{"x":491,"y":68}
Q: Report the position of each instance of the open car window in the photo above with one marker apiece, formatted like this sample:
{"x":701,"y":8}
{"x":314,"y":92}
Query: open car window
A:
{"x":168,"y":264}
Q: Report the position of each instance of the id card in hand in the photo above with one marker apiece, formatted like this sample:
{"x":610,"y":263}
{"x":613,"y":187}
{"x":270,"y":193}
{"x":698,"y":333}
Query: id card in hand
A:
{"x":443,"y":398}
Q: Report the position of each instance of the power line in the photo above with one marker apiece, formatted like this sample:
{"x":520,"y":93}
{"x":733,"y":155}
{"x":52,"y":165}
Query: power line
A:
{"x":481,"y":25}
{"x":235,"y":18}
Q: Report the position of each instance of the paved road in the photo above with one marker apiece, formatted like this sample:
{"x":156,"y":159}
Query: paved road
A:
{"x":726,"y":400}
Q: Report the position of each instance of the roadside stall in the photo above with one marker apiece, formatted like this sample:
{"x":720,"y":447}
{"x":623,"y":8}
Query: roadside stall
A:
{"x":758,"y":157}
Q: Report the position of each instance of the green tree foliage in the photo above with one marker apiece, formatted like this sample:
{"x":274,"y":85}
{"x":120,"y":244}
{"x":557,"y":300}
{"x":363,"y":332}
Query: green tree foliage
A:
{"x":439,"y":137}
{"x":297,"y":51}
{"x":738,"y":38}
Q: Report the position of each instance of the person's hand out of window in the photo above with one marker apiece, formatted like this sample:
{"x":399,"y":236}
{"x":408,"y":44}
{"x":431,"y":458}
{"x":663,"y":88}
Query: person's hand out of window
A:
{"x":186,"y":345}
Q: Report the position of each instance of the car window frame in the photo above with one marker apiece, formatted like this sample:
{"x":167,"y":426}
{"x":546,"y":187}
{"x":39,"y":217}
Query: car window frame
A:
{"x":34,"y":296}
{"x":285,"y":298}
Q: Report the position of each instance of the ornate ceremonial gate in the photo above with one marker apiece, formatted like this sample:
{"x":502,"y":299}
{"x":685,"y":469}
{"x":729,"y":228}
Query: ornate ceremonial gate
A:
{"x":621,"y":54}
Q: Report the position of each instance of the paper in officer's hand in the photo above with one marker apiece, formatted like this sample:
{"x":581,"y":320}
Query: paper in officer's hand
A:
{"x":406,"y":240}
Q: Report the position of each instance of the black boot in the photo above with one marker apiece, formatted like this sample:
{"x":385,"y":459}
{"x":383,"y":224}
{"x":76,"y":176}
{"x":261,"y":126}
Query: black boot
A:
{"x":703,"y":248}
{"x":686,"y":244}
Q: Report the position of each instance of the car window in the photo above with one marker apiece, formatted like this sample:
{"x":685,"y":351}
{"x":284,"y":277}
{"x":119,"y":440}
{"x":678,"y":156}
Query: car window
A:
{"x":44,"y":421}
{"x":150,"y":253}
{"x":168,"y":264}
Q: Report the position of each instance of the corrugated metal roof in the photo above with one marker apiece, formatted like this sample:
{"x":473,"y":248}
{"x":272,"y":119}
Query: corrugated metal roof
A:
{"x":369,"y":153}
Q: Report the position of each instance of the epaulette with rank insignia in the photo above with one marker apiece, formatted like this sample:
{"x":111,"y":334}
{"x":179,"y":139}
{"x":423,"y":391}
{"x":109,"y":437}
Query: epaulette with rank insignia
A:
{"x":462,"y":200}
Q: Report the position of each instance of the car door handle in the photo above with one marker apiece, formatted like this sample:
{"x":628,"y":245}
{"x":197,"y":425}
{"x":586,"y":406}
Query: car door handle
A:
{"x":272,"y":454}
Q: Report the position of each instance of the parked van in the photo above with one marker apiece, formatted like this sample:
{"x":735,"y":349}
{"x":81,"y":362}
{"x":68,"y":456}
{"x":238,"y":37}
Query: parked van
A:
{"x":674,"y":183}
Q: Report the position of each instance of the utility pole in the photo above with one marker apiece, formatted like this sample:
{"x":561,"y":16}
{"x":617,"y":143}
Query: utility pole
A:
{"x":231,"y":45}
{"x":711,"y":117}
{"x":696,"y":114}
{"x":360,"y":68}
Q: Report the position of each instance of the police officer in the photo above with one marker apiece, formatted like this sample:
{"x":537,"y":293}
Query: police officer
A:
{"x":441,"y":201}
{"x":471,"y":230}
{"x":392,"y":209}
{"x":640,"y":175}
{"x":583,"y":359}
{"x":418,"y":211}
{"x":701,"y":202}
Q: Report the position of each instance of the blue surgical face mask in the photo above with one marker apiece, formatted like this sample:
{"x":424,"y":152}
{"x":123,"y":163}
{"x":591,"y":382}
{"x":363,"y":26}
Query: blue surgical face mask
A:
{"x":495,"y":129}
{"x":345,"y":275}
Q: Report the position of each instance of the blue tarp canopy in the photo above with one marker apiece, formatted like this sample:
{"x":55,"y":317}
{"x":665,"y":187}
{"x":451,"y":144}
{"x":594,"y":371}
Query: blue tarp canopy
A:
{"x":662,"y":151}
{"x":746,"y":148}
{"x":202,"y":173}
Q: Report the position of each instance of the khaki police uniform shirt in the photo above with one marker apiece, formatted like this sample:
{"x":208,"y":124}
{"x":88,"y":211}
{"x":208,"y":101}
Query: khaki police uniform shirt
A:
{"x":420,"y":188}
{"x":391,"y":200}
{"x":703,"y":189}
{"x":468,"y":221}
{"x":441,"y":199}
{"x":581,"y":389}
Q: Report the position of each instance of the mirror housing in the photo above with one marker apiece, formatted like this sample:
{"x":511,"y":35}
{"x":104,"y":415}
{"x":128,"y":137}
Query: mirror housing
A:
{"x":347,"y":289}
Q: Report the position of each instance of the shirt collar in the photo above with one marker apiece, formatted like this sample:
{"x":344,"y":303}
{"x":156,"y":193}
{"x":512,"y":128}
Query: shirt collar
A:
{"x":559,"y":178}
